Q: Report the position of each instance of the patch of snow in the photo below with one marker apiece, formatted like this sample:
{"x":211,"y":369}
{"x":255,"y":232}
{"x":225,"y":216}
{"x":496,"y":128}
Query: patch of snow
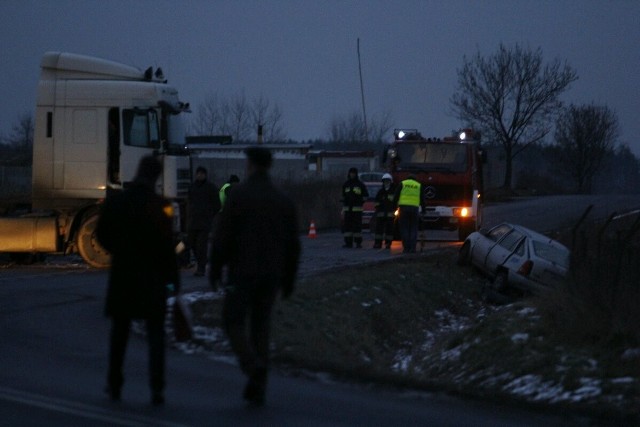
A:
{"x":623,"y":380}
{"x":401,"y":361}
{"x":520,"y":338}
{"x":631,"y":353}
{"x":527,"y":311}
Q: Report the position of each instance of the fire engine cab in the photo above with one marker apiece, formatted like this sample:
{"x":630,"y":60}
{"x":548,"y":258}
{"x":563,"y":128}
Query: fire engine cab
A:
{"x":450,"y":170}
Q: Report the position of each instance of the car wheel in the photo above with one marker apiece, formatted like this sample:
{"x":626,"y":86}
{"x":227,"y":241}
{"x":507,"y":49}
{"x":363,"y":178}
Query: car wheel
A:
{"x":464,"y":254}
{"x":500,"y":282}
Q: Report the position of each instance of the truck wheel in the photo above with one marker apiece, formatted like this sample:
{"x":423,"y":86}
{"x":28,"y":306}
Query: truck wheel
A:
{"x":90,"y":250}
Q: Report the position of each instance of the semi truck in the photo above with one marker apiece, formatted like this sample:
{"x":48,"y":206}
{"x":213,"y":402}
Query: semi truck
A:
{"x":450,"y":171}
{"x":94,"y":120}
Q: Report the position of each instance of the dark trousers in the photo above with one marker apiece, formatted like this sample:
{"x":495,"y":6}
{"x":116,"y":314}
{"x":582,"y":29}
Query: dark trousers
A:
{"x":120,"y":327}
{"x":247,"y":321}
{"x":384,"y":230}
{"x":409,"y":228}
{"x":199,"y":242}
{"x":352,"y":231}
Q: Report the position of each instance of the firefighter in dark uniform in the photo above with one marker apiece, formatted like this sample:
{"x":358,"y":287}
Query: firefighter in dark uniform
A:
{"x":409,"y":198}
{"x":385,"y":212}
{"x":354,"y":193}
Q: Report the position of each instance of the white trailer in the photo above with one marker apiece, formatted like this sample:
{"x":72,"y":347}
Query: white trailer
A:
{"x":95,"y":119}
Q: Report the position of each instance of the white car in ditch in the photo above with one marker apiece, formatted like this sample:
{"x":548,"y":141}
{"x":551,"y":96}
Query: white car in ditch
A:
{"x":515,"y":256}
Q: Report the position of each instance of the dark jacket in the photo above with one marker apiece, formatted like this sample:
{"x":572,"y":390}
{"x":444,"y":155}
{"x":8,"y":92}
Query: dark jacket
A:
{"x":354,"y":193}
{"x":202,"y":205}
{"x":136,"y":227}
{"x":257,"y":235}
{"x":386,"y":201}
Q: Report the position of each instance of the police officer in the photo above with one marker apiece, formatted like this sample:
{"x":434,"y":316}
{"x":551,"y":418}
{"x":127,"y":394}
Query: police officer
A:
{"x":224,"y":190}
{"x":385,"y":212}
{"x":409,"y":199}
{"x":354,"y":193}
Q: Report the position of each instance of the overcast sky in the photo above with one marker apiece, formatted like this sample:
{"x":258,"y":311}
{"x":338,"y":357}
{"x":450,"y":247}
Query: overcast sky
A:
{"x":302,"y":54}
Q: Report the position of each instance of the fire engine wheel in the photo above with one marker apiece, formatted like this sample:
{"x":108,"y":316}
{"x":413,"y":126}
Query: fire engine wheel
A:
{"x":464,"y":255}
{"x":465,"y":229}
{"x":90,"y":250}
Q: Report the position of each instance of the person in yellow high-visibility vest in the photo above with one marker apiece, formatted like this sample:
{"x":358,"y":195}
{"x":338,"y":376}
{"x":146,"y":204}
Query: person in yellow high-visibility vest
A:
{"x":409,"y":199}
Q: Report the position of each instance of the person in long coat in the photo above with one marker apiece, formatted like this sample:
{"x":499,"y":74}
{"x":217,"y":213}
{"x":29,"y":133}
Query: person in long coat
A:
{"x":135,"y":226}
{"x":257,"y":240}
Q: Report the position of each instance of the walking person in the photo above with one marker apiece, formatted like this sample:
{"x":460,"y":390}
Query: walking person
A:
{"x":409,"y":199}
{"x":224,"y":190}
{"x":257,"y":239}
{"x":385,"y":213}
{"x":203,"y":203}
{"x":135,"y":226}
{"x":354,"y":193}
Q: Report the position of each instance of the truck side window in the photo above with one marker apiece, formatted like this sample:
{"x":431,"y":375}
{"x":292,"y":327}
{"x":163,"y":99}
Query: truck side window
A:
{"x":140,"y":128}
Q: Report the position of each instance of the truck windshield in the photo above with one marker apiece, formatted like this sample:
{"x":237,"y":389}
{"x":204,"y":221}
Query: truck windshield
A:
{"x":175,"y":132}
{"x":433,"y":156}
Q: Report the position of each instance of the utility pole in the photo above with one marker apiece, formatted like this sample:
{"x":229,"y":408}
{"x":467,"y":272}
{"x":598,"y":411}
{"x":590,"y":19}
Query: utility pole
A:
{"x":364,"y":110}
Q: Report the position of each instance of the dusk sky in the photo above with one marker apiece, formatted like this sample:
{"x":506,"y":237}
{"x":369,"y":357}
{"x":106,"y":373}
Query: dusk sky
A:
{"x":302,"y":54}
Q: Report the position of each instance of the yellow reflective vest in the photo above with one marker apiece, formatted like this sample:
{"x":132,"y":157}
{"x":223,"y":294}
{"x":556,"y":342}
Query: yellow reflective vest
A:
{"x":410,"y":193}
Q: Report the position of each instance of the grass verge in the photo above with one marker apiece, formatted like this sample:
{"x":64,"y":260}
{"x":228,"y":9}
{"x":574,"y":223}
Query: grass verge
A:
{"x":422,"y":322}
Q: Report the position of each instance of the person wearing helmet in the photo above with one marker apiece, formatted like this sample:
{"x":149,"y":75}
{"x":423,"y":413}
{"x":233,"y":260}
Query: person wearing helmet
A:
{"x":385,"y":213}
{"x":354,"y":193}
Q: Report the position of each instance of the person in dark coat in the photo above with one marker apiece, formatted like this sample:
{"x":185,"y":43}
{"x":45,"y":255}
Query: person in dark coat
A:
{"x":135,"y":226}
{"x":257,"y":239}
{"x":203,"y":204}
{"x":354,"y":193}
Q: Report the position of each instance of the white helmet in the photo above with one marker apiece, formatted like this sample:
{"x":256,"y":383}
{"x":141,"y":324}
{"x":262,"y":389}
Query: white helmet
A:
{"x":387,"y":176}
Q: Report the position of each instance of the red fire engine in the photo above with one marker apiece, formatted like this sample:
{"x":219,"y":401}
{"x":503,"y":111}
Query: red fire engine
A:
{"x":450,"y":170}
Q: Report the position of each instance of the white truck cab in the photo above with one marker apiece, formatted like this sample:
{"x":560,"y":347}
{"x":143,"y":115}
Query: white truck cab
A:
{"x":95,"y":119}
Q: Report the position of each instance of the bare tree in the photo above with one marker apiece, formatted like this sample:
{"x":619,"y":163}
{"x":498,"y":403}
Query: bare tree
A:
{"x":586,"y":135}
{"x":269,"y":117}
{"x":351,"y":129}
{"x":210,"y":118}
{"x":512,"y":97}
{"x":238,"y":117}
{"x":21,"y":136}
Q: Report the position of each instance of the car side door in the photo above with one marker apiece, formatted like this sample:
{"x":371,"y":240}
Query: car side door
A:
{"x":485,"y":243}
{"x":501,"y":252}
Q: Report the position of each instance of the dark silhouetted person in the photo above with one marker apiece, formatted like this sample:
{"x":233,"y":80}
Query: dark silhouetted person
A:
{"x":226,"y":188}
{"x":354,"y":193}
{"x":257,"y":239}
{"x":136,"y":227}
{"x":203,"y":204}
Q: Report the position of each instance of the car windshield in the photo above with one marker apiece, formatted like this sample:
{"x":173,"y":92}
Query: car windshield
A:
{"x":373,"y":188}
{"x":551,"y":253}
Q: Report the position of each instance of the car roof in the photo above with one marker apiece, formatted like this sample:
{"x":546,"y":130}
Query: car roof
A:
{"x":534,"y":235}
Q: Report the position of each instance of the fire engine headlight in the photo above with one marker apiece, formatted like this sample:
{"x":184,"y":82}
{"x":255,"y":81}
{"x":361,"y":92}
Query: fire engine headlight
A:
{"x":461,"y":212}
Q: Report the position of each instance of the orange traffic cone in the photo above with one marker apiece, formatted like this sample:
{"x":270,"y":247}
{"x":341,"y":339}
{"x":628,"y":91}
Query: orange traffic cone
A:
{"x":312,"y":230}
